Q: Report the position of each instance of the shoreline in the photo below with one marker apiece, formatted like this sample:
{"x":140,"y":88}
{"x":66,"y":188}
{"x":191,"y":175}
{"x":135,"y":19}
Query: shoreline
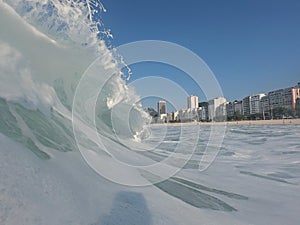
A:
{"x":242,"y":122}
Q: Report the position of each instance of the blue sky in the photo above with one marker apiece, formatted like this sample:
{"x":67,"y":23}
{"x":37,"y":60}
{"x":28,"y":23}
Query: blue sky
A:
{"x":251,"y":46}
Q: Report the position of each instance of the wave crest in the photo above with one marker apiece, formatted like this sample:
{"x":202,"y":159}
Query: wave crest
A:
{"x":42,"y":76}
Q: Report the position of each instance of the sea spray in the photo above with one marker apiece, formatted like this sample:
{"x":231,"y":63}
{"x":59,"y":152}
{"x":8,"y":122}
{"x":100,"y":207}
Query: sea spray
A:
{"x":59,"y":41}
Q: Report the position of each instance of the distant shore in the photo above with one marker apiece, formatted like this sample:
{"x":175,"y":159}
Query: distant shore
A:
{"x":242,"y":122}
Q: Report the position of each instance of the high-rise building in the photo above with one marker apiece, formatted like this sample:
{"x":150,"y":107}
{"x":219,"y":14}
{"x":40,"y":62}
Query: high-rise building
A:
{"x":297,"y":103}
{"x":204,"y":106}
{"x":230,"y":108}
{"x":284,"y":98}
{"x":252,"y":104}
{"x":295,"y":96}
{"x":192,"y":102}
{"x":217,"y":108}
{"x":202,"y":114}
{"x":255,"y":104}
{"x":221,"y":114}
{"x":234,"y":108}
{"x":175,"y":116}
{"x":265,"y":107}
{"x":297,"y":107}
{"x":161,"y":107}
{"x":238,"y":107}
{"x":246,"y":105}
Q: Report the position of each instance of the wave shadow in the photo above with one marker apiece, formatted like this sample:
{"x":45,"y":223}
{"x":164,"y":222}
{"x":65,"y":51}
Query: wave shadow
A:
{"x":128,"y":208}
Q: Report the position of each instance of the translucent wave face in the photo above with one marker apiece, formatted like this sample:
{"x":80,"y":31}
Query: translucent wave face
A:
{"x":59,"y":41}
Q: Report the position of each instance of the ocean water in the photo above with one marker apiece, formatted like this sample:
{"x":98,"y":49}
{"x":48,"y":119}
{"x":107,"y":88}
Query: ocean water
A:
{"x":254,"y":180}
{"x":50,"y":149}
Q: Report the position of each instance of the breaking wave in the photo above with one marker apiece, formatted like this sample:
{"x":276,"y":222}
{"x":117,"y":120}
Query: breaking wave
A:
{"x":46,"y":46}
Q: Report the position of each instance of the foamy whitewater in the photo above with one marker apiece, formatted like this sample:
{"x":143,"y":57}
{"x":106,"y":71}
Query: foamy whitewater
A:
{"x":45,"y":47}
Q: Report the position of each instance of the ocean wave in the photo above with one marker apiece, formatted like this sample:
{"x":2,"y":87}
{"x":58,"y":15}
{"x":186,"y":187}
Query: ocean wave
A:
{"x":41,"y":71}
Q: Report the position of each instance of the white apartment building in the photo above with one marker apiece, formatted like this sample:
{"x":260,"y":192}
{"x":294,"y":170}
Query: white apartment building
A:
{"x":252,"y":104}
{"x":192,"y":102}
{"x":229,"y":108}
{"x":246,"y":105}
{"x":285,"y":98}
{"x":173,"y":116}
{"x":221,"y":114}
{"x":216,"y":108}
{"x":161,"y":107}
{"x":255,"y":104}
{"x":202,"y":113}
{"x":238,"y":107}
{"x":188,"y":115}
{"x":265,"y":107}
{"x":233,"y":108}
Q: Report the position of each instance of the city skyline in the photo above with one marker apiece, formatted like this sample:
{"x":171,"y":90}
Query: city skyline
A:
{"x":280,"y":103}
{"x":228,"y":100}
